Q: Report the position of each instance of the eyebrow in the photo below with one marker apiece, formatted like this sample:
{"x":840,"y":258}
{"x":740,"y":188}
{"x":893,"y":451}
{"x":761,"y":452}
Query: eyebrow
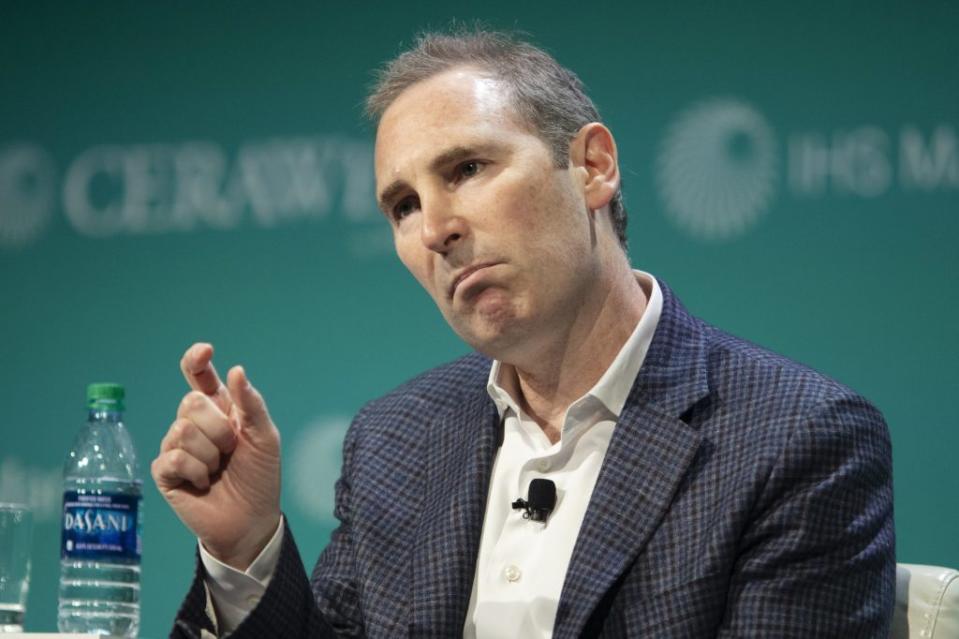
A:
{"x":445,"y":158}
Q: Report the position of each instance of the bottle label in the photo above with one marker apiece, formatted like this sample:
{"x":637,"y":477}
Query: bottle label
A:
{"x":103,"y":526}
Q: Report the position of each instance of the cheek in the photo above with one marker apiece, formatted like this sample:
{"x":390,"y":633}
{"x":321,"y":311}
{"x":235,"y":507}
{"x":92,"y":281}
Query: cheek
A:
{"x":552,"y":221}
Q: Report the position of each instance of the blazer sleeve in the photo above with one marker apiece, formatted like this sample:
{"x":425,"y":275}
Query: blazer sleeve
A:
{"x":819,"y":557}
{"x":292,"y":606}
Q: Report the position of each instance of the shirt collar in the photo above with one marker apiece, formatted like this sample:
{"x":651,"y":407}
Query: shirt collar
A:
{"x":613,"y":387}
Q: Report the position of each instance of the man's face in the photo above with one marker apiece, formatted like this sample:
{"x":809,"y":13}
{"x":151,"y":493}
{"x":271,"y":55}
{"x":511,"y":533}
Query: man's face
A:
{"x":498,"y":236}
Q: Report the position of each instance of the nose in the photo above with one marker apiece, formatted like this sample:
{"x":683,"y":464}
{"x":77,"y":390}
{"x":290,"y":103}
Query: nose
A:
{"x":443,"y":228}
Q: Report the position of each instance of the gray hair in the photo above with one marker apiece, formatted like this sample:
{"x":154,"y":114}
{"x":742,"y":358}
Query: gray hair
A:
{"x":549,"y":97}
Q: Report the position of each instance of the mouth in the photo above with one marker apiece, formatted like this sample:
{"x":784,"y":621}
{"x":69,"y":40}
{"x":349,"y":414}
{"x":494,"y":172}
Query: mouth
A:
{"x":465,"y":273}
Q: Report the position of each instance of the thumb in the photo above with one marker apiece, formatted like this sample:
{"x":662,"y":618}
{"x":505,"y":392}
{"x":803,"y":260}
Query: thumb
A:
{"x":251,"y":407}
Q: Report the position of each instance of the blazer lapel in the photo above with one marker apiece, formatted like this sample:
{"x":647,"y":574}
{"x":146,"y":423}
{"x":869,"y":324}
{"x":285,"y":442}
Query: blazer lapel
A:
{"x":647,"y":458}
{"x":457,"y":473}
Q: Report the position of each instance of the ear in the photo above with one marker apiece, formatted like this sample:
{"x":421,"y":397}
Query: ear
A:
{"x":592,"y":152}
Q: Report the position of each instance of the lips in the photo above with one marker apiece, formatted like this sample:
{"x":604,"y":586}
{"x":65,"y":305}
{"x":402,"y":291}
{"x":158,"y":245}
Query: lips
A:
{"x":466,"y":272}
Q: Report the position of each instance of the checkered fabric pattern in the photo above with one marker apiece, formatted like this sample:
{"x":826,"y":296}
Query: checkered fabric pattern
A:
{"x":742,"y":495}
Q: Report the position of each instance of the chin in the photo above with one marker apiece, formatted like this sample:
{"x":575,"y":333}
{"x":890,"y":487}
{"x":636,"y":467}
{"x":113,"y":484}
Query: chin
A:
{"x":494,"y":335}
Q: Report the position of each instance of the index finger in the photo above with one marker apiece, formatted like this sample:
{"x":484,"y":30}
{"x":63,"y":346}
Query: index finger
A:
{"x":198,"y":370}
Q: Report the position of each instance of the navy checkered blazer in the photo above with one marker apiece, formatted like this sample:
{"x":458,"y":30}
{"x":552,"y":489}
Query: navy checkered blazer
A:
{"x":742,"y":495}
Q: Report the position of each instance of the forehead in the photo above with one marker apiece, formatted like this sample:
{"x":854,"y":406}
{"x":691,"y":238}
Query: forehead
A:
{"x":461,"y":106}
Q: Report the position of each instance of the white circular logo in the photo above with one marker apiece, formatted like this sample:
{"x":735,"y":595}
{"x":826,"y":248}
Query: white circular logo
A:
{"x":26,"y":193}
{"x":315,"y":466}
{"x":717,"y":168}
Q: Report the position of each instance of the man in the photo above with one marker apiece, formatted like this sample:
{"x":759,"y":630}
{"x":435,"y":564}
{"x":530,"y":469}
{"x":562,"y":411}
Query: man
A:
{"x":705,"y":487}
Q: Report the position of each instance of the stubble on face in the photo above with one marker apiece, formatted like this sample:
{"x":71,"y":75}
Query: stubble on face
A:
{"x":520,"y":212}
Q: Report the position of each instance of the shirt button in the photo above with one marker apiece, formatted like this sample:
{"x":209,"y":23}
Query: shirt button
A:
{"x":253,"y":600}
{"x":543,"y":465}
{"x":512,"y":573}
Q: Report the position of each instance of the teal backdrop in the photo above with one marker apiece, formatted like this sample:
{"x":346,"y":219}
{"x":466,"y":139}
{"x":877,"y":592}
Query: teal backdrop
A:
{"x":174,"y":172}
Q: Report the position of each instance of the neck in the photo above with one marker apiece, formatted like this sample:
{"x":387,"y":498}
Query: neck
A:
{"x":574,"y":359}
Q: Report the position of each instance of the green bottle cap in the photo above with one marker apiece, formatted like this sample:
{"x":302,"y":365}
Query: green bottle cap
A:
{"x":105,"y":396}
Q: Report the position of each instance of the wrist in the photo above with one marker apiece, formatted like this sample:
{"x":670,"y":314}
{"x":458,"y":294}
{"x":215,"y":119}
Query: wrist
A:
{"x":246,"y":550}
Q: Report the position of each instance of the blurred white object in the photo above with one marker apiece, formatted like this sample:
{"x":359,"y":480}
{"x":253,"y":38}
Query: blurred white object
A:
{"x":927,"y":603}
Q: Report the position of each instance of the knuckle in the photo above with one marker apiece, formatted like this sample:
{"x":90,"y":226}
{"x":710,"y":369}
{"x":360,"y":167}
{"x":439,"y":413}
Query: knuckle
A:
{"x":179,"y":459}
{"x":183,"y":429}
{"x":169,"y":440}
{"x":196,"y":400}
{"x":190,"y":402}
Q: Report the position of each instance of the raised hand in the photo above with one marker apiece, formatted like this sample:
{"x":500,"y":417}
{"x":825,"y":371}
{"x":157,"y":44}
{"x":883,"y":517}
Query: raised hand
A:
{"x":219,"y":463}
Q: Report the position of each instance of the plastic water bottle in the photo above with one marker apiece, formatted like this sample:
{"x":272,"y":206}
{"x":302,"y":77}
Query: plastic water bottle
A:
{"x":100,"y":548}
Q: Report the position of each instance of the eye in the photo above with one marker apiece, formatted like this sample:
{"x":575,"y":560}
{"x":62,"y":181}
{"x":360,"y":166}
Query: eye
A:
{"x":470,"y":168}
{"x":405,"y":206}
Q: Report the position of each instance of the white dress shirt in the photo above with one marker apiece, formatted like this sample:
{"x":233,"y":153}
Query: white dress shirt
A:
{"x":522,"y":564}
{"x":235,"y":593}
